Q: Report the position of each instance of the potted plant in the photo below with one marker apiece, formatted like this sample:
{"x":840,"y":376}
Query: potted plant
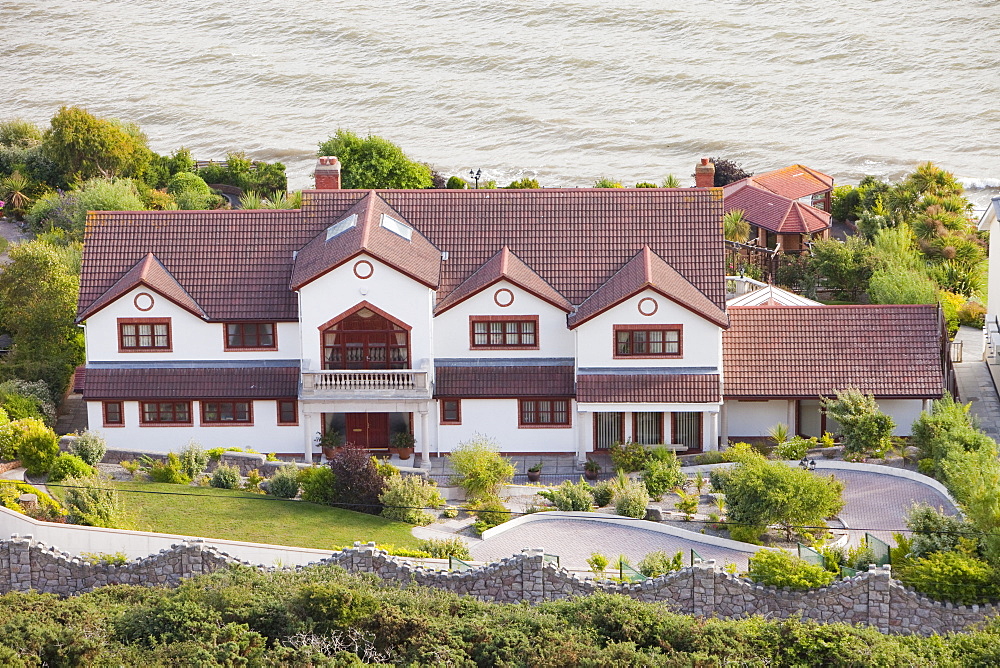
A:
{"x":535,"y":472}
{"x":329,"y":441}
{"x":591,"y":469}
{"x":402,"y":442}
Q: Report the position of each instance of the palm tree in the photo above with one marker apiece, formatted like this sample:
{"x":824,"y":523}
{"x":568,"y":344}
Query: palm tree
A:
{"x":12,"y":190}
{"x":735,"y":227}
{"x":251,"y":200}
{"x":671,"y":182}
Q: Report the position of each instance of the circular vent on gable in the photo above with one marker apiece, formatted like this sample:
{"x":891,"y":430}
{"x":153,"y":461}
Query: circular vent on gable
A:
{"x":503,"y":297}
{"x":143,"y":301}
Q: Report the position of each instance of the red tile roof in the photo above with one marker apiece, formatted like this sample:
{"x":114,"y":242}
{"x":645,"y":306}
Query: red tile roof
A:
{"x":647,"y":271}
{"x":416,"y":256}
{"x":79,"y":379}
{"x":809,"y":351}
{"x":794,"y":181}
{"x":191,"y":383}
{"x":151,"y":273}
{"x":504,"y":266}
{"x":648,"y":388}
{"x":238,"y":264}
{"x":774,"y":212}
{"x":497,"y":382}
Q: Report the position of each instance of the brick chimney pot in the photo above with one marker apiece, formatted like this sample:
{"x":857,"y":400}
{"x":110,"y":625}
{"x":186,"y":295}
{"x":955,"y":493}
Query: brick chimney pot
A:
{"x":327,"y":173}
{"x":704,"y":174}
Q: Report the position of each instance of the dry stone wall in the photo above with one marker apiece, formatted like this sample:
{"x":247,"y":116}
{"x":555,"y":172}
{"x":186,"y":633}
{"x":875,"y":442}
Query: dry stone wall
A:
{"x":871,"y":598}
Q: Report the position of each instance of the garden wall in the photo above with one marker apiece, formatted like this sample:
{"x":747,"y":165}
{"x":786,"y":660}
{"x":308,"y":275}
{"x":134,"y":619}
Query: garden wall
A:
{"x":870,"y":598}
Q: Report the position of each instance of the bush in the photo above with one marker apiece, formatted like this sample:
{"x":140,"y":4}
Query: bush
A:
{"x":317,"y":484}
{"x":718,"y":478}
{"x":629,"y":456}
{"x":405,"y":497}
{"x":37,"y":391}
{"x":660,"y":476}
{"x":479,"y":468}
{"x":193,"y":460}
{"x":780,"y":569}
{"x":865,"y":429}
{"x":972,"y":314}
{"x":48,"y":508}
{"x":747,"y":533}
{"x":89,"y":446}
{"x":225,"y":477}
{"x":456,"y":183}
{"x":659,"y":563}
{"x":357,"y":483}
{"x":490,"y":512}
{"x":948,"y":428}
{"x":951,"y":576}
{"x":93,"y":501}
{"x":570,"y":496}
{"x":37,"y":445}
{"x":69,"y":466}
{"x":284,"y":484}
{"x":713,"y":457}
{"x":442,"y":548}
{"x":602,"y":491}
{"x":253,"y":481}
{"x":168,"y":471}
{"x":795,"y":447}
{"x":630,"y":498}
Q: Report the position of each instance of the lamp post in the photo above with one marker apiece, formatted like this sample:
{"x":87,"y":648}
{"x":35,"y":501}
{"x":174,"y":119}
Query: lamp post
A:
{"x":476,"y":175}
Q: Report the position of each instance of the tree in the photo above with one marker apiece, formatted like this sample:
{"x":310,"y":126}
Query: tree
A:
{"x":727,"y":171}
{"x":845,"y":266}
{"x":84,"y":146}
{"x":760,"y":493}
{"x":524,"y":184}
{"x":864,"y":428}
{"x":68,"y":211}
{"x":735,"y":227}
{"x":38,"y":308}
{"x":671,"y":182}
{"x":374,"y":162}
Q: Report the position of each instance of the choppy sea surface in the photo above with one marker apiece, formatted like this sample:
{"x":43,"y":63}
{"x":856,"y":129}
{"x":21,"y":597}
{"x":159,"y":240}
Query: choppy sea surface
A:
{"x":566,"y":91}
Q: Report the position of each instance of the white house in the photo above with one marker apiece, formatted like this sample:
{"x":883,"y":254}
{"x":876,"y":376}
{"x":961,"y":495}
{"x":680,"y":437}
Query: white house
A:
{"x":554,"y":320}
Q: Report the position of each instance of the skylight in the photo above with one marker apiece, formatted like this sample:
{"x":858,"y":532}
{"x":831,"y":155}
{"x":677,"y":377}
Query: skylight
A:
{"x":342,"y":226}
{"x":396,"y":227}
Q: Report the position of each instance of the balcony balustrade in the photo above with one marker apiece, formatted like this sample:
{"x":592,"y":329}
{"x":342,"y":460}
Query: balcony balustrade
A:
{"x":403,"y":383}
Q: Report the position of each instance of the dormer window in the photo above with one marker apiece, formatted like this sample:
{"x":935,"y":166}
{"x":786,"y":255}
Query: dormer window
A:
{"x":139,"y":335}
{"x":646,"y":341}
{"x":504,"y":332}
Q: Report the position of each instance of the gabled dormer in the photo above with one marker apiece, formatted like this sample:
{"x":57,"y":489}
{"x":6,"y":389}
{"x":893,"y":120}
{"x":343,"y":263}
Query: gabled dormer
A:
{"x":150,"y":273}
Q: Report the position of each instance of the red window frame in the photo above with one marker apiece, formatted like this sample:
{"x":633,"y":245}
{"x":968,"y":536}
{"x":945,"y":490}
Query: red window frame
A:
{"x":641,"y":335}
{"x":497,"y":330}
{"x":445,"y":411}
{"x":113,"y":417}
{"x":544,"y":413}
{"x":239,"y":412}
{"x":132,"y":328}
{"x":240,"y":336}
{"x":159,"y":409}
{"x":286,"y":407}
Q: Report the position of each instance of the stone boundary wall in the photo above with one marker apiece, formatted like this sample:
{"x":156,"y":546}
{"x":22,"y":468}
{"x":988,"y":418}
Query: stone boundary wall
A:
{"x":871,"y":598}
{"x":9,"y":466}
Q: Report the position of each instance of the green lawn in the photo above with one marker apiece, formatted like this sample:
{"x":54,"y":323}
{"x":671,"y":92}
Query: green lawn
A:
{"x":223,"y":513}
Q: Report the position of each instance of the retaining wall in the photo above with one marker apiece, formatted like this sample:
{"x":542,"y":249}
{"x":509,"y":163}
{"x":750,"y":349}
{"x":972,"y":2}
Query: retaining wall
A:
{"x":871,"y":598}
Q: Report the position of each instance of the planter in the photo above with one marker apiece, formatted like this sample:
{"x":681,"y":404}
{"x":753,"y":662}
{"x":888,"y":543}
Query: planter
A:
{"x":590,"y":475}
{"x":329,"y":452}
{"x":405,"y":453}
{"x":534,"y":476}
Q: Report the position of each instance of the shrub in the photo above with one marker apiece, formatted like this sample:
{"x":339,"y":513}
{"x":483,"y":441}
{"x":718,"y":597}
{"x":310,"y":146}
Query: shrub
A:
{"x":795,"y":447}
{"x":37,"y":445}
{"x":598,"y":564}
{"x":479,"y":468}
{"x":713,"y":457}
{"x":69,"y":466}
{"x":972,"y":314}
{"x":90,"y":446}
{"x":93,"y":501}
{"x":96,"y":558}
{"x":951,"y":576}
{"x":225,"y":477}
{"x":252,"y":483}
{"x":405,"y":498}
{"x":630,"y":498}
{"x":780,"y":569}
{"x":48,"y":508}
{"x":865,"y":429}
{"x":660,"y":476}
{"x":215,"y":454}
{"x":659,"y":563}
{"x":36,"y":390}
{"x":450,"y":512}
{"x":718,"y":478}
{"x":570,"y":496}
{"x":948,"y":428}
{"x":441,"y":548}
{"x":168,"y":471}
{"x":284,"y":484}
{"x":456,"y":183}
{"x":490,"y":512}
{"x":629,"y":456}
{"x":687,"y":504}
{"x":602,"y":491}
{"x":357,"y":483}
{"x":317,"y":484}
{"x":747,"y":533}
{"x":193,"y":460}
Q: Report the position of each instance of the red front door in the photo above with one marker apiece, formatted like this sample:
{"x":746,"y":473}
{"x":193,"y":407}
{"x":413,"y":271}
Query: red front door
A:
{"x":368,"y":430}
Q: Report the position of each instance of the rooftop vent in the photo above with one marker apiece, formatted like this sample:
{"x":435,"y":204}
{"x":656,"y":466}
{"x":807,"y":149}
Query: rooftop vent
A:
{"x":396,"y":227}
{"x":342,"y":226}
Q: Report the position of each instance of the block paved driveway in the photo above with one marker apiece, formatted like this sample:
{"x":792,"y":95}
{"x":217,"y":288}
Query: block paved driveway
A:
{"x":872,"y":501}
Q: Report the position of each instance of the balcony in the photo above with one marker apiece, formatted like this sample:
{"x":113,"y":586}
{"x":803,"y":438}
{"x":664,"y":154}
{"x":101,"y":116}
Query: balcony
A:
{"x":365,"y":384}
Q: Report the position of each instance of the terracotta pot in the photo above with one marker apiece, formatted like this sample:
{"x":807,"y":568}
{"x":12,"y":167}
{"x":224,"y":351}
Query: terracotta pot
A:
{"x":404,"y":453}
{"x":590,"y":475}
{"x":534,"y":476}
{"x":329,"y":452}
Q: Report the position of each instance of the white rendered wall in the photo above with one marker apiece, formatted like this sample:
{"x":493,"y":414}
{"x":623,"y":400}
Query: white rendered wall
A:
{"x":754,"y":418}
{"x":191,"y":337}
{"x":701,"y":339}
{"x":903,"y":411}
{"x":993,"y":280}
{"x":451,"y":328}
{"x":497,"y":418}
{"x":265,"y":435}
{"x":398,"y":295}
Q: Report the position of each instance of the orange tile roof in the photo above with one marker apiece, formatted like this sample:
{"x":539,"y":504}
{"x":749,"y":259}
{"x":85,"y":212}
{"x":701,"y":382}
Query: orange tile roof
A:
{"x":774,"y":212}
{"x":812,"y":351}
{"x":794,"y":181}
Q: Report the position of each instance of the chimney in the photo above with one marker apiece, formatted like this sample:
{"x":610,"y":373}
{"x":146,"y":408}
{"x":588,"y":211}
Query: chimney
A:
{"x":704,"y":174}
{"x":327,"y":173}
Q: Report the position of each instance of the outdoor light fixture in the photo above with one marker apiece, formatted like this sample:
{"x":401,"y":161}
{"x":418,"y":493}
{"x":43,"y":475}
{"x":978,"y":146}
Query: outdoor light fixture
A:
{"x":475,"y":175}
{"x":812,"y":464}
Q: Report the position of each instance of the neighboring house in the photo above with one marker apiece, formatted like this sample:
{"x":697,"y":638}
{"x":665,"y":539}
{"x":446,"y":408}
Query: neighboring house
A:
{"x":786,"y":208}
{"x":554,"y":320}
{"x":780,"y":359}
{"x":988,"y":223}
